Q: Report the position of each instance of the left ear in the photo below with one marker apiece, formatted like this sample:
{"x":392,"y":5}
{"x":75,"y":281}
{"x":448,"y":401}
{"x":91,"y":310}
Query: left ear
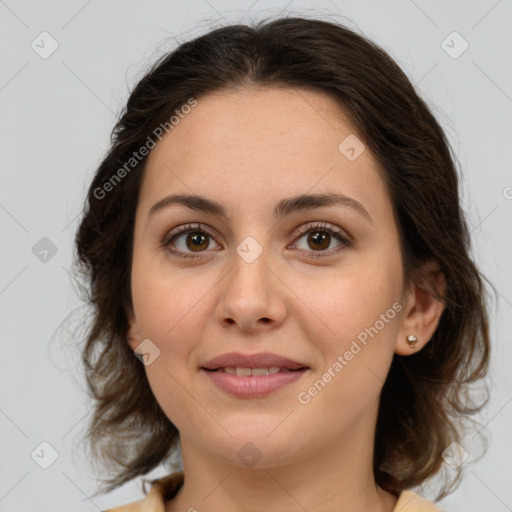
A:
{"x":422,"y":309}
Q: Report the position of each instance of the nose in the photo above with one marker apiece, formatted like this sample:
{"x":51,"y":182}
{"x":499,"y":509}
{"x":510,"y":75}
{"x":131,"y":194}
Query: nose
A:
{"x":252,"y":295}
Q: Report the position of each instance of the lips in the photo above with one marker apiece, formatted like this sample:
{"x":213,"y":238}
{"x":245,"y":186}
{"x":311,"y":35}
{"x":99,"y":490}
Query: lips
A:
{"x":262,"y":361}
{"x":252,"y":386}
{"x":252,"y":375}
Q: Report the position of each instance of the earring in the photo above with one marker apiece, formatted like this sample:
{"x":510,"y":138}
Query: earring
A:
{"x":412,"y":340}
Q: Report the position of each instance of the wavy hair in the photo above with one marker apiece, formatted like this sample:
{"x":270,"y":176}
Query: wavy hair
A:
{"x":425,"y":400}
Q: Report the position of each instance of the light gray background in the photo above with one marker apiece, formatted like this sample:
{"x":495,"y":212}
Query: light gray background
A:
{"x":57,"y":114}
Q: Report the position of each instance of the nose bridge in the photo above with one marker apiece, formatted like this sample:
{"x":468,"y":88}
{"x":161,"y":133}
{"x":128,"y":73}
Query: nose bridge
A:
{"x":251,"y":295}
{"x":249,"y":276}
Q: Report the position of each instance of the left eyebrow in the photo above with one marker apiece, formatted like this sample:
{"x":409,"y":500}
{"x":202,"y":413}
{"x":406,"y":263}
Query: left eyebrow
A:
{"x":284,"y":207}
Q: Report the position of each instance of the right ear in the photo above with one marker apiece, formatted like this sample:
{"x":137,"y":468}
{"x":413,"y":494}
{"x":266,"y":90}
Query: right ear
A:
{"x":133,"y":336}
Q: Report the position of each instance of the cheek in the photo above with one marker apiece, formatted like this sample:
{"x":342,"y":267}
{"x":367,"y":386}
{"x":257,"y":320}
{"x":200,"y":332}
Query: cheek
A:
{"x":168,"y":310}
{"x":354,"y":332}
{"x":164,"y":299}
{"x":172,"y":311}
{"x":342,"y":304}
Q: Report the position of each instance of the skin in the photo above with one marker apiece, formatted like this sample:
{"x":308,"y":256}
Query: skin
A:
{"x":247,"y":150}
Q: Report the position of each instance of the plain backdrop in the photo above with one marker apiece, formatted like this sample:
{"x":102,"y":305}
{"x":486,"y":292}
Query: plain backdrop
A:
{"x":57,"y":112}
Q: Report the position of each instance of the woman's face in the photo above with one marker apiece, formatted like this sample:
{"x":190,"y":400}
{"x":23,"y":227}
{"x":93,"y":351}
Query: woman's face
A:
{"x":320,"y":285}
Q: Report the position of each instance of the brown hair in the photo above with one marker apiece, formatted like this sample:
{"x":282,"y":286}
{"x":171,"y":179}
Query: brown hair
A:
{"x":424,"y":400}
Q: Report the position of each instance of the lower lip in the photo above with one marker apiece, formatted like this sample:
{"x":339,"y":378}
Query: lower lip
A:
{"x":252,"y":386}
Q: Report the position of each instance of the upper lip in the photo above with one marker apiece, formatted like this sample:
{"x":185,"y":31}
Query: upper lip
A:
{"x":262,"y":360}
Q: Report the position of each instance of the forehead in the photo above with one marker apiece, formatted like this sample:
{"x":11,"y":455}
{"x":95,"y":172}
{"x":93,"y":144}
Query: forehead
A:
{"x":261,"y":142}
{"x":238,"y":121}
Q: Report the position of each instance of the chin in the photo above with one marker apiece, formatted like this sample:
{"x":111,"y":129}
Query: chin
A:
{"x":254,"y":447}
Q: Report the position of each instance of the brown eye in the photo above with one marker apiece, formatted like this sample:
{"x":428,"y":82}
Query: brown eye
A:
{"x":197,"y":241}
{"x":191,"y":240}
{"x":319,"y":240}
{"x":188,"y":240}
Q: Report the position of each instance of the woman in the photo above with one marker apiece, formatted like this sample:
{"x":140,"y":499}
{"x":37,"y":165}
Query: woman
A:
{"x":276,"y":234}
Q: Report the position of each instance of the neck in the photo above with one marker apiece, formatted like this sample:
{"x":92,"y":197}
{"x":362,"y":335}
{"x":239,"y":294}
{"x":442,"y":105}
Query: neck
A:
{"x":326,"y":478}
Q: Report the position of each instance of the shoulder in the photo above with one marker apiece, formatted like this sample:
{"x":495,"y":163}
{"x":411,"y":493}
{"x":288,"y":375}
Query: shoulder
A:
{"x":161,"y":490}
{"x":412,"y":502}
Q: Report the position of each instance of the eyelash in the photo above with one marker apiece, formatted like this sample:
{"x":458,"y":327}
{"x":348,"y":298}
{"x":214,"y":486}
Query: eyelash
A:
{"x":199,"y":228}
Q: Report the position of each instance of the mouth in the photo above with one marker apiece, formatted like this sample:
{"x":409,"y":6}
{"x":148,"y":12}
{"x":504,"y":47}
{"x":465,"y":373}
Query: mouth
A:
{"x":252,"y":375}
{"x":254,"y":372}
{"x":250,"y":383}
{"x":238,"y":363}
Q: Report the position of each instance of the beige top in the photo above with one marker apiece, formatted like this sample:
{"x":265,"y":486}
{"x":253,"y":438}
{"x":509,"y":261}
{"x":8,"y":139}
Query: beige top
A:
{"x":166,"y":488}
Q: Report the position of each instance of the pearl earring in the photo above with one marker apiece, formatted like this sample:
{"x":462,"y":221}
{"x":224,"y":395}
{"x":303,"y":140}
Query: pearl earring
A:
{"x":412,"y":340}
